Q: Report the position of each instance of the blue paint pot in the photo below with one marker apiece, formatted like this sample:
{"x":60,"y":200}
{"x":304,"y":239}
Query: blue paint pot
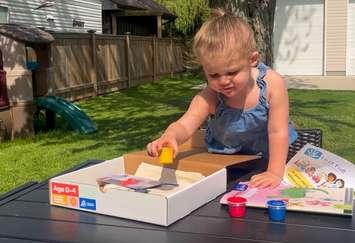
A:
{"x":277,"y":210}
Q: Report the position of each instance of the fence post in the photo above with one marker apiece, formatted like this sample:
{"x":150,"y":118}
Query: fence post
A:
{"x":172,"y":58}
{"x":50,"y":70}
{"x":154,"y":39}
{"x":128,"y":60}
{"x":94,"y":63}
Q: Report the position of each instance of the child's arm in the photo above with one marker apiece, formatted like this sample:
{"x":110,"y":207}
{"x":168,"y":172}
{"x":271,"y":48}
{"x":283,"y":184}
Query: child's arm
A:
{"x":277,"y":132}
{"x":181,"y":130}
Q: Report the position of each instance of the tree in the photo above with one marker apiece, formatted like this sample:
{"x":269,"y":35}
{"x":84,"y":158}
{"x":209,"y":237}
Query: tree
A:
{"x":190,"y":15}
{"x":260,"y":15}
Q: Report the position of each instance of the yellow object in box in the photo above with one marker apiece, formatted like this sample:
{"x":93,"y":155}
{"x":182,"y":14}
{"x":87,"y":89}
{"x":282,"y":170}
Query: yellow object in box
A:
{"x":166,"y":155}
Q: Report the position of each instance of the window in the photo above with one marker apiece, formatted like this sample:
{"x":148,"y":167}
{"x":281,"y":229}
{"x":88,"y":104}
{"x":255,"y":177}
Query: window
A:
{"x":4,"y":15}
{"x":4,"y":100}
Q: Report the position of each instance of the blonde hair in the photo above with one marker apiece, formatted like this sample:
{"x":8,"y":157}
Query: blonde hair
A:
{"x":224,"y":34}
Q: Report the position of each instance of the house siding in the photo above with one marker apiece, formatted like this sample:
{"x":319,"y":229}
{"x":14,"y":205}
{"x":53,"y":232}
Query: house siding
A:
{"x":63,"y":13}
{"x":336,"y":22}
{"x":351,"y":38}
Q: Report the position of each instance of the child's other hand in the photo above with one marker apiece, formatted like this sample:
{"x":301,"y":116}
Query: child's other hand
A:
{"x":265,"y":180}
{"x":155,"y":146}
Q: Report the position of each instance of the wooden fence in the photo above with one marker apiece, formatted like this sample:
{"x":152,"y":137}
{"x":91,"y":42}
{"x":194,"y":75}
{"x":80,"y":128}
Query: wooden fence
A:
{"x":85,"y":65}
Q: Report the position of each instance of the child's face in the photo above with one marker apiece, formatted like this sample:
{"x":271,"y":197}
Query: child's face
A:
{"x":226,"y":77}
{"x":339,"y":184}
{"x":331,"y":178}
{"x":310,"y":170}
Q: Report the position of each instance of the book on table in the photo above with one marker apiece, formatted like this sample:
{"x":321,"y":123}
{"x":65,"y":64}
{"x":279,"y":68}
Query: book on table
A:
{"x":315,"y":180}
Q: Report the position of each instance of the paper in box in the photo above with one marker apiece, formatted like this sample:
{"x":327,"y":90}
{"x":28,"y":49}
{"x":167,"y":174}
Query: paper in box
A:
{"x":80,"y":190}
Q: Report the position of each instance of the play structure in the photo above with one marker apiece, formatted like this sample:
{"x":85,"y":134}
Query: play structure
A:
{"x":76,"y":118}
{"x":24,"y":65}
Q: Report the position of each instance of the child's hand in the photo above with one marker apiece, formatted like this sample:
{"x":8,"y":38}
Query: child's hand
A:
{"x":265,"y":180}
{"x":154,"y":147}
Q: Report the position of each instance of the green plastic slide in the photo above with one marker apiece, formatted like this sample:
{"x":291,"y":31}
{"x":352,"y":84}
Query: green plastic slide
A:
{"x":77,"y":119}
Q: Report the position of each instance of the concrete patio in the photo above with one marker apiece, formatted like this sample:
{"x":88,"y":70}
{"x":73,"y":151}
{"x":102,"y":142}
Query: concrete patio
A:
{"x":321,"y":82}
{"x":314,"y":82}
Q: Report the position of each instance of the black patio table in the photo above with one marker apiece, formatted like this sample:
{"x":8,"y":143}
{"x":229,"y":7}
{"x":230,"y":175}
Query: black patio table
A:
{"x":26,"y":216}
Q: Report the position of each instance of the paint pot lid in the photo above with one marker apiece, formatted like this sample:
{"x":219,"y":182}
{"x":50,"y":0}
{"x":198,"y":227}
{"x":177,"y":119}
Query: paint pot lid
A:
{"x":276,"y":203}
{"x":235,"y":199}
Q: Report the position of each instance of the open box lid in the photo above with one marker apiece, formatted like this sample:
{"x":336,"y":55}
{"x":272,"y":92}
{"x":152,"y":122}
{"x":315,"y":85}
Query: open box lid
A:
{"x":193,"y":156}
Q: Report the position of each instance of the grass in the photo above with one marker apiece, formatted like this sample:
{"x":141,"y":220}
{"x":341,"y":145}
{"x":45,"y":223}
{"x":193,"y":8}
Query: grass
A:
{"x":126,"y":121}
{"x":333,"y":112}
{"x":129,"y":119}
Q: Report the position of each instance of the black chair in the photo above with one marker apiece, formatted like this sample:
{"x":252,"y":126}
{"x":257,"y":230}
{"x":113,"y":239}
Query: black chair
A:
{"x":244,"y":171}
{"x":311,"y":135}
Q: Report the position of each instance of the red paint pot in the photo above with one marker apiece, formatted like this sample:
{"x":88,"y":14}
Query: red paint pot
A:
{"x":236,"y":206}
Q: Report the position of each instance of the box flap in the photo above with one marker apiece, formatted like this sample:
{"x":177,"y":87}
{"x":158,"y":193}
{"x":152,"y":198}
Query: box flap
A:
{"x":193,"y":156}
{"x":134,"y":159}
{"x":196,"y":141}
{"x":219,"y":160}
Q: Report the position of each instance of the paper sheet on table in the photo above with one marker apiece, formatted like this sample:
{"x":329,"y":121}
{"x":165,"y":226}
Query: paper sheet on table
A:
{"x":167,"y":175}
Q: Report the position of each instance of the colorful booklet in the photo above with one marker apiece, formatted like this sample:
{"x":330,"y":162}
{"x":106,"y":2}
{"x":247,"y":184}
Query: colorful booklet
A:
{"x":315,"y":180}
{"x":316,"y":167}
{"x":317,"y":200}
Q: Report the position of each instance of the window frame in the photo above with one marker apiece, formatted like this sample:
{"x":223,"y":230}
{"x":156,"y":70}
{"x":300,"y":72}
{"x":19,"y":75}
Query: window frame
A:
{"x":7,"y":14}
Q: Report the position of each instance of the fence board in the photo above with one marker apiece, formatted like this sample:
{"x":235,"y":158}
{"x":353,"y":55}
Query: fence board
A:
{"x":163,"y":56}
{"x":141,"y":58}
{"x":81,"y":61}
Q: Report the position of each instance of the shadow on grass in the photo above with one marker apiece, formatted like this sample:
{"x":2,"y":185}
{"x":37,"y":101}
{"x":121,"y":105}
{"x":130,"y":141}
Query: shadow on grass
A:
{"x":331,"y":111}
{"x":326,"y":107}
{"x":131,"y":118}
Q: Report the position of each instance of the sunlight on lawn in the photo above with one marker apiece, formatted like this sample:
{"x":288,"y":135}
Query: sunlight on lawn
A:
{"x":129,"y":119}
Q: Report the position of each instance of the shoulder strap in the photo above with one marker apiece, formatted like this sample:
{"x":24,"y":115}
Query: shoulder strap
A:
{"x":261,"y":82}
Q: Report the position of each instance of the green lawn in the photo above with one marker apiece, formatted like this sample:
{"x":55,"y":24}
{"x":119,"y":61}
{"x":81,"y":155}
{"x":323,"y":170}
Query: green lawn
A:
{"x":333,"y":112}
{"x":127,"y":120}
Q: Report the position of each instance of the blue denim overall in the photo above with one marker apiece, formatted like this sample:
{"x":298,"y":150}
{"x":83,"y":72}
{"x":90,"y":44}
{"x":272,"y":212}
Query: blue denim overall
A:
{"x":235,"y":130}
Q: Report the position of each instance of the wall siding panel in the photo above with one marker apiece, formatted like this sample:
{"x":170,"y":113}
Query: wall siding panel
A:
{"x":336,"y":18}
{"x":351,"y":38}
{"x":63,"y":13}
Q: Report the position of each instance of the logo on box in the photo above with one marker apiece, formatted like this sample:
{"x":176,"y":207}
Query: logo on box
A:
{"x":65,"y":200}
{"x":65,"y":189}
{"x":313,"y":153}
{"x":60,"y":199}
{"x":87,"y":203}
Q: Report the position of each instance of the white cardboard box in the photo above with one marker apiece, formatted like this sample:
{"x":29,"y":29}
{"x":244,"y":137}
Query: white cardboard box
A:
{"x":79,"y":189}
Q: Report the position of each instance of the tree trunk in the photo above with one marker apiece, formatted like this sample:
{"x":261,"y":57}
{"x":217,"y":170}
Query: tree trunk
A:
{"x":260,"y":15}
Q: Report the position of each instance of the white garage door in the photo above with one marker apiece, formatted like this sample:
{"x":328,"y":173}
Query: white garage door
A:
{"x":351,"y":38}
{"x":299,"y":37}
